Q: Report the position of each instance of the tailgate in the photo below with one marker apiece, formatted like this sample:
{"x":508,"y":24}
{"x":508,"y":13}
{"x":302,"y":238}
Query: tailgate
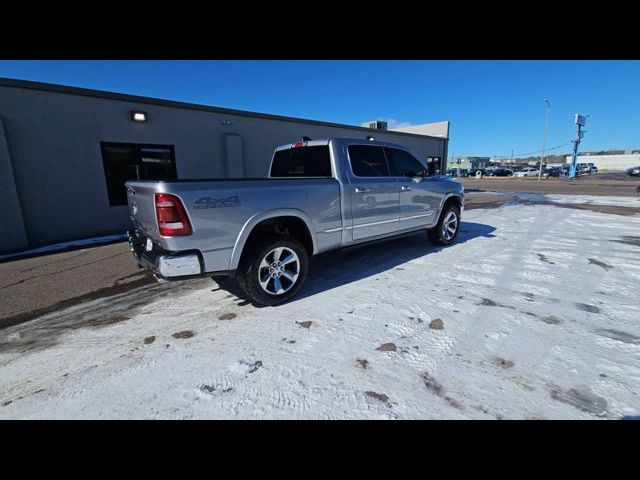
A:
{"x":142,"y":213}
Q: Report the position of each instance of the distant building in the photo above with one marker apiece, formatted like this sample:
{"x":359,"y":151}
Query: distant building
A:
{"x":609,"y":162}
{"x":467,"y":162}
{"x":375,"y":124}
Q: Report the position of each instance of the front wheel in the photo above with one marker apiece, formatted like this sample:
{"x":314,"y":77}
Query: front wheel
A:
{"x":274,"y":270}
{"x":446,"y":230}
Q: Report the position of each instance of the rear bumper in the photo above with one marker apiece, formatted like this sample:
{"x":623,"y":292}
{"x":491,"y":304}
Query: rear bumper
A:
{"x":166,"y":265}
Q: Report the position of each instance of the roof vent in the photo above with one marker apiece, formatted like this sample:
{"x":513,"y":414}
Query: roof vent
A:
{"x":375,"y":124}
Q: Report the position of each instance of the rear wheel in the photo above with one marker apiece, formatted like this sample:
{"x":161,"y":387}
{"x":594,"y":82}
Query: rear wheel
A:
{"x":446,"y":230}
{"x":273,"y":270}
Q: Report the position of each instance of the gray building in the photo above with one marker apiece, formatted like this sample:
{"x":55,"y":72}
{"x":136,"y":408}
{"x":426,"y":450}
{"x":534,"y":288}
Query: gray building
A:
{"x":65,"y":153}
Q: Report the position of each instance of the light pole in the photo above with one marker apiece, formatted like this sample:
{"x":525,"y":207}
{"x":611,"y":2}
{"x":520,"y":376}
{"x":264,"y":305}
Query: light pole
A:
{"x":544,"y":142}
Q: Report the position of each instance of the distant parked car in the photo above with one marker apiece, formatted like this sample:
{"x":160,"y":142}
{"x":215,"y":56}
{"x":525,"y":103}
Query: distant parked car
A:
{"x":584,"y":168}
{"x":552,"y":172}
{"x":633,"y":171}
{"x":453,"y":172}
{"x":527,"y":172}
{"x":474,"y":171}
{"x":499,"y":172}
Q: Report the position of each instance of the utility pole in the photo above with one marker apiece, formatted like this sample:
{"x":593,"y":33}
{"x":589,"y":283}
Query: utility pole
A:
{"x":579,"y":120}
{"x":544,"y":142}
{"x":512,"y":157}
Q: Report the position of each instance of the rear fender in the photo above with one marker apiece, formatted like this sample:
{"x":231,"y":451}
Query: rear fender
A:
{"x":248,"y":227}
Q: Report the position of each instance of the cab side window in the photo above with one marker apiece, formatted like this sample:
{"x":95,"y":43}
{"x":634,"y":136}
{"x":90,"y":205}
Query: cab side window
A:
{"x":368,"y":161}
{"x":403,"y":164}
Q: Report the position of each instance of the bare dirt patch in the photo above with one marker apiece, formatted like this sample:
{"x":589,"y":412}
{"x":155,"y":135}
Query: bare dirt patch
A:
{"x":364,"y":363}
{"x":149,"y":340}
{"x":600,"y":184}
{"x":437,"y":389}
{"x":543,"y":258}
{"x":255,"y":366}
{"x":593,"y":261}
{"x":585,"y":307}
{"x":227,"y":316}
{"x":487,"y":302}
{"x":629,"y":240}
{"x":432,"y":384}
{"x":436,"y":324}
{"x":487,"y":200}
{"x":183,"y":334}
{"x":551,"y":320}
{"x":619,"y":335}
{"x":306,"y":324}
{"x":378,"y":396}
{"x":387,"y":347}
{"x":582,"y":398}
{"x":501,"y":362}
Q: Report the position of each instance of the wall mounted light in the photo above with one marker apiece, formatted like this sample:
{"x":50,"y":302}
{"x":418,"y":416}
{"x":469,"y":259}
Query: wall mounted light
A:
{"x":138,"y":116}
{"x":370,"y":138}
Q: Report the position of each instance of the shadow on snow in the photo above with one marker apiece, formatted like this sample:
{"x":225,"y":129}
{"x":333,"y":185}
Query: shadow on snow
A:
{"x":342,"y":267}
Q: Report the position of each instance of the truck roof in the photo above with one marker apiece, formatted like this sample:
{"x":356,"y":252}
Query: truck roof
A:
{"x":325,"y":141}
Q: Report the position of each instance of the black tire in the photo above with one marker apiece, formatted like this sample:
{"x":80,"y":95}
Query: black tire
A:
{"x":437,"y":234}
{"x":248,"y":271}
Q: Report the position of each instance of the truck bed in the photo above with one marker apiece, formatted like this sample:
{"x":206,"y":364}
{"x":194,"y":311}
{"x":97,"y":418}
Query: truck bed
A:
{"x":220,"y":209}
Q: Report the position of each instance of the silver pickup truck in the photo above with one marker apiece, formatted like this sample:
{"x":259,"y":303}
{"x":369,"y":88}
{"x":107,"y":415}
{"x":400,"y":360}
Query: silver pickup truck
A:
{"x":320,"y":195}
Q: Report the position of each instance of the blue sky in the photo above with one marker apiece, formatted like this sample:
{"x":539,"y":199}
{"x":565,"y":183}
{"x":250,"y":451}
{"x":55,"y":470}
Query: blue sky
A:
{"x":493,"y":106}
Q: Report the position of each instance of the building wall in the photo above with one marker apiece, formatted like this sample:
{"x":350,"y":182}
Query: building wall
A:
{"x":437,"y":129}
{"x":13,"y":234}
{"x":464,"y":162}
{"x":609,"y":162}
{"x":54,"y":139}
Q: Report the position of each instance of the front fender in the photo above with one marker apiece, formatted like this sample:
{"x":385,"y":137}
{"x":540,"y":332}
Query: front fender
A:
{"x":459,"y":195}
{"x":250,"y":224}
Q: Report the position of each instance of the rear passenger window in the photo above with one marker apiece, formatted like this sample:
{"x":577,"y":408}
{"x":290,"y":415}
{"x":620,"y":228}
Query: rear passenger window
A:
{"x":302,"y":162}
{"x":368,"y":161}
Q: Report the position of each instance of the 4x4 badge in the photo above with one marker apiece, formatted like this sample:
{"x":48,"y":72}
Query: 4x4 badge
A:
{"x":208,"y":202}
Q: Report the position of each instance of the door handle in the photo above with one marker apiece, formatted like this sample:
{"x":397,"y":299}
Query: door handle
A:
{"x":405,"y":188}
{"x":361,"y":190}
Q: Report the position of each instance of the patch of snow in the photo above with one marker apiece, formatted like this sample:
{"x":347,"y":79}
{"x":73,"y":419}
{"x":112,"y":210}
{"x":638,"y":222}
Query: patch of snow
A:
{"x":596,"y":200}
{"x":531,"y":328}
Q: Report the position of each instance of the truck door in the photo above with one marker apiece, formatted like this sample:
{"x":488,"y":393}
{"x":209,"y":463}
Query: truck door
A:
{"x":419,"y":202}
{"x":375,"y":195}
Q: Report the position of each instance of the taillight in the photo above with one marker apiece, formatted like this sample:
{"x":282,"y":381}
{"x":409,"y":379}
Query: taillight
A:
{"x":172,"y":218}
{"x":299,"y":144}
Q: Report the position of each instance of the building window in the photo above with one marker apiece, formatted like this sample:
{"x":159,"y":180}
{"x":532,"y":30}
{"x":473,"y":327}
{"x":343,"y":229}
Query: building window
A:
{"x":434,"y":165}
{"x":128,"y":161}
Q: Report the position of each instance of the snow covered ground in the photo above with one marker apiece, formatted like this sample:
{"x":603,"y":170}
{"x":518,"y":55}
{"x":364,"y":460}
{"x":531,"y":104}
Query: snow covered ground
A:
{"x":533,"y":313}
{"x":632,"y":202}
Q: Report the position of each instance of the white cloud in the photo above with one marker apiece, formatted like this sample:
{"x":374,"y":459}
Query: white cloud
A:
{"x":393,"y":123}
